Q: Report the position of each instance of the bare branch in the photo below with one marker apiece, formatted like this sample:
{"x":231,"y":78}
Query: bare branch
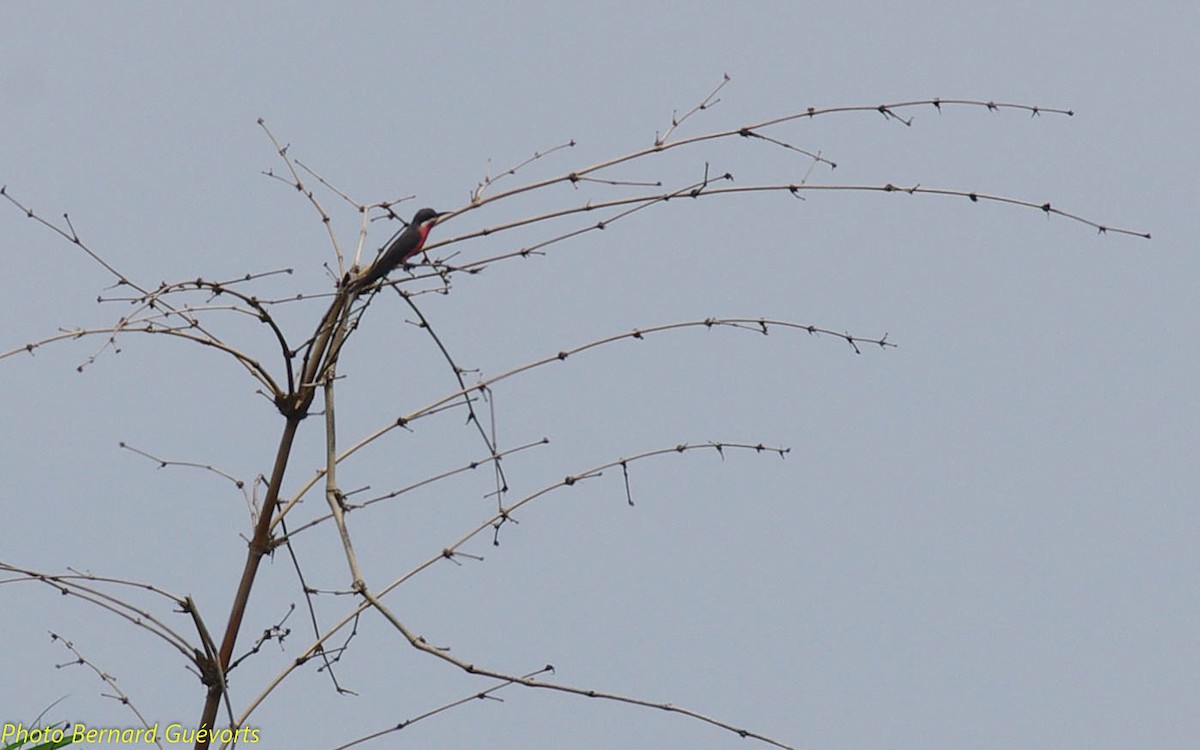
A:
{"x":451,"y":551}
{"x":77,"y":584}
{"x":118,"y":694}
{"x":756,"y":325}
{"x":333,"y":494}
{"x":489,"y":441}
{"x":336,"y":191}
{"x":327,"y":658}
{"x":642,"y":201}
{"x":708,"y":101}
{"x":73,"y":238}
{"x":156,"y":300}
{"x":482,"y":694}
{"x":289,"y":534}
{"x":298,"y":184}
{"x":418,"y":642}
{"x":488,"y":181}
{"x":808,"y":113}
{"x":164,"y":463}
{"x":505,"y":513}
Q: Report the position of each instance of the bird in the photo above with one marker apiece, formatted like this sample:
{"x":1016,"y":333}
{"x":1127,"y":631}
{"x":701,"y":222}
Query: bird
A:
{"x":407,"y":244}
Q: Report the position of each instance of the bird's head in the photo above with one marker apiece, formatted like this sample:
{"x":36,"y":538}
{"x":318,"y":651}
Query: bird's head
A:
{"x":425,"y":218}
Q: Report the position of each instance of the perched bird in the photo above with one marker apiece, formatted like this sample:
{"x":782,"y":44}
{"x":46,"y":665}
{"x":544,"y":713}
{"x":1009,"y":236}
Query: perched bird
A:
{"x":406,"y":245}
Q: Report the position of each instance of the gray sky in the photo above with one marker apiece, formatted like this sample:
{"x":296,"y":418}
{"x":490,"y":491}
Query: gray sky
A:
{"x":985,"y":538}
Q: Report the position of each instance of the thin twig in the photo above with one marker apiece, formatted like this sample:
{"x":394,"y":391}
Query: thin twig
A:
{"x":119,"y":695}
{"x":708,"y":101}
{"x":298,"y":184}
{"x":474,"y":697}
{"x":371,"y":598}
{"x":757,"y":325}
